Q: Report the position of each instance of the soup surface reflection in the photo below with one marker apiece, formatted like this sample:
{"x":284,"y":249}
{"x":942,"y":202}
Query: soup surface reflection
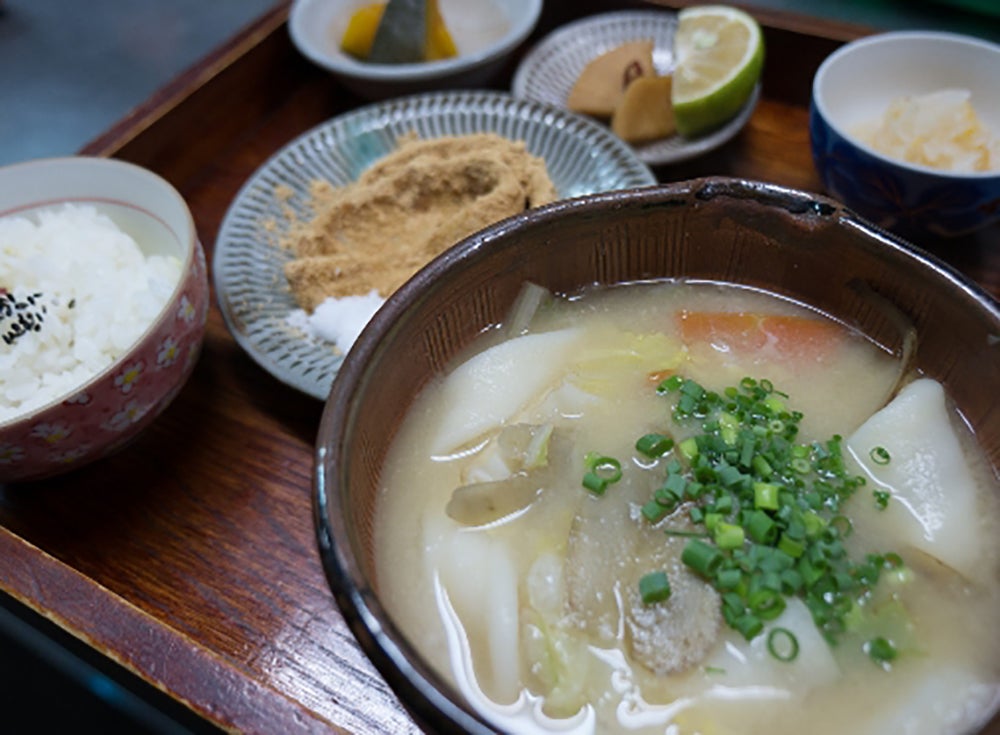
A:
{"x":693,"y":508}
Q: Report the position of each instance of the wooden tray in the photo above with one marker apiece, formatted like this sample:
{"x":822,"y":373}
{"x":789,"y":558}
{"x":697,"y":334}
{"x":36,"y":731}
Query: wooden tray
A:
{"x":190,"y":557}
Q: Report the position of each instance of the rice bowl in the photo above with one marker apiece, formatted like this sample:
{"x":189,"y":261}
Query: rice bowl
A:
{"x":105,"y":301}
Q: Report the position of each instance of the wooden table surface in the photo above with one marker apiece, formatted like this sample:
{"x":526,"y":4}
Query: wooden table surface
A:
{"x":190,"y":556}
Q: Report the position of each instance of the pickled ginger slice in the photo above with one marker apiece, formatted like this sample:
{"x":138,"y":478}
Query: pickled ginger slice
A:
{"x":491,"y":388}
{"x":932,"y":504}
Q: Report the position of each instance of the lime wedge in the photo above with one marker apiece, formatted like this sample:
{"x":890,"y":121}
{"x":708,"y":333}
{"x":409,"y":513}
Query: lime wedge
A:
{"x":719,"y":54}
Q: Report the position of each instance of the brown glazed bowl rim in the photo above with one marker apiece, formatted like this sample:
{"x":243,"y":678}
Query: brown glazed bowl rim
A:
{"x":433,"y":703}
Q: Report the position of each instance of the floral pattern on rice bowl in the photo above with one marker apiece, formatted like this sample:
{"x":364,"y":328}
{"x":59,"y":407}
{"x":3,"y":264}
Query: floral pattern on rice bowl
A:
{"x":104,"y":415}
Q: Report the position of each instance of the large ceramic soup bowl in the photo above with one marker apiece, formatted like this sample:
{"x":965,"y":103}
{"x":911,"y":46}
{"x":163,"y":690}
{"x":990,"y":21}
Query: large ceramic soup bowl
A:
{"x":753,"y":490}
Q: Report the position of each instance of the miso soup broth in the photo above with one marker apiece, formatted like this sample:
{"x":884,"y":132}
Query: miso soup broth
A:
{"x":692,"y":508}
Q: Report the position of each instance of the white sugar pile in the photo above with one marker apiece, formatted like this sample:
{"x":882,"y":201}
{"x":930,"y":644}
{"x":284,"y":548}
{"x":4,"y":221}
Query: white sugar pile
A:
{"x":340,"y":321}
{"x":76,"y":293}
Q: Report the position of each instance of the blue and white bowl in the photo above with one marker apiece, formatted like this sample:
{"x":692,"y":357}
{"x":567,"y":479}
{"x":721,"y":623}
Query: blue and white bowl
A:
{"x":856,"y":83}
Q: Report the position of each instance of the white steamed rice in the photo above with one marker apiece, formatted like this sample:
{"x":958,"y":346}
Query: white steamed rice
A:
{"x":99,"y":293}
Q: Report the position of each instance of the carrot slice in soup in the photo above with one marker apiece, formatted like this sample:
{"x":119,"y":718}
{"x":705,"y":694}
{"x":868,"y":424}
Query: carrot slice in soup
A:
{"x":741,"y":332}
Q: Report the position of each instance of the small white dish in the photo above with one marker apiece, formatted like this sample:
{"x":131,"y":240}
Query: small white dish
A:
{"x":549,"y":70}
{"x":486,"y":33}
{"x":581,"y":156}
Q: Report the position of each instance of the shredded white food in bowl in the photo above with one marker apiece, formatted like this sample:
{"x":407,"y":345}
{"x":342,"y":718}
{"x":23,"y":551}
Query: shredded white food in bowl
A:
{"x":940,"y":130}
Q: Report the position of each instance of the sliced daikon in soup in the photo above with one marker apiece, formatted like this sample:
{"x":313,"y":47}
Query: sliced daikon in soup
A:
{"x":789,"y":657}
{"x":484,"y":392}
{"x":910,"y":450}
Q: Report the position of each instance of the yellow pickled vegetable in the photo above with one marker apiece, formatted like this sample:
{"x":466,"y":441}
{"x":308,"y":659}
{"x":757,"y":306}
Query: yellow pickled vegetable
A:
{"x":360,"y":33}
{"x":440,"y":44}
{"x":364,"y":23}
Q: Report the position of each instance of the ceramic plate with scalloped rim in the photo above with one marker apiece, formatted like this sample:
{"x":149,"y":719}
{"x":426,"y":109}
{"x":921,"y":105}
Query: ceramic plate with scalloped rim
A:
{"x":582,"y":157}
{"x":549,"y":70}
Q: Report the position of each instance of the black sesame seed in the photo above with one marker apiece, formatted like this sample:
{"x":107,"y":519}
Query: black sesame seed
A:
{"x":18,"y":318}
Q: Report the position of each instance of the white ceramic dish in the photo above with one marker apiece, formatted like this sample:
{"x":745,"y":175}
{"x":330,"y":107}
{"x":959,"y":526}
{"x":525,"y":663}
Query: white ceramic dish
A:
{"x":486,"y":32}
{"x":549,"y":70}
{"x":582,"y":157}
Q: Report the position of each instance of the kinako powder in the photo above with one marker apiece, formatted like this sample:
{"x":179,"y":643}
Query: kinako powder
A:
{"x":405,"y":209}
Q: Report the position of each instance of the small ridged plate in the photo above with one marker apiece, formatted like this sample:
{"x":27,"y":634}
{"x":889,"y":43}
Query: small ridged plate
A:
{"x":549,"y":70}
{"x":582,"y":157}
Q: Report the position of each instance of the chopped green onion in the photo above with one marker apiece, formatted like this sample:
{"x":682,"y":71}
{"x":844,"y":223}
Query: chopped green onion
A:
{"x":728,"y":427}
{"x":701,"y":557}
{"x":782,"y":644}
{"x":712,"y":521}
{"x":728,"y":579}
{"x":767,"y":604}
{"x":595,"y":483}
{"x":670,"y":384}
{"x":813,"y":523}
{"x":769,"y":505}
{"x":692,"y":388}
{"x":654,"y":511}
{"x":675,"y":485}
{"x":811,"y":574}
{"x":879,"y":455}
{"x":765,"y":495}
{"x":801,"y":465}
{"x":666,"y":498}
{"x":694,"y":490}
{"x":654,"y":587}
{"x":761,"y":466}
{"x":880,"y":650}
{"x":601,"y":472}
{"x":684,"y":534}
{"x":881,"y":499}
{"x":654,"y":445}
{"x":749,"y":626}
{"x":688,"y":449}
{"x":607,"y":467}
{"x":791,"y":582}
{"x":730,"y":476}
{"x":728,"y":536}
{"x":790,"y":546}
{"x":761,"y":528}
